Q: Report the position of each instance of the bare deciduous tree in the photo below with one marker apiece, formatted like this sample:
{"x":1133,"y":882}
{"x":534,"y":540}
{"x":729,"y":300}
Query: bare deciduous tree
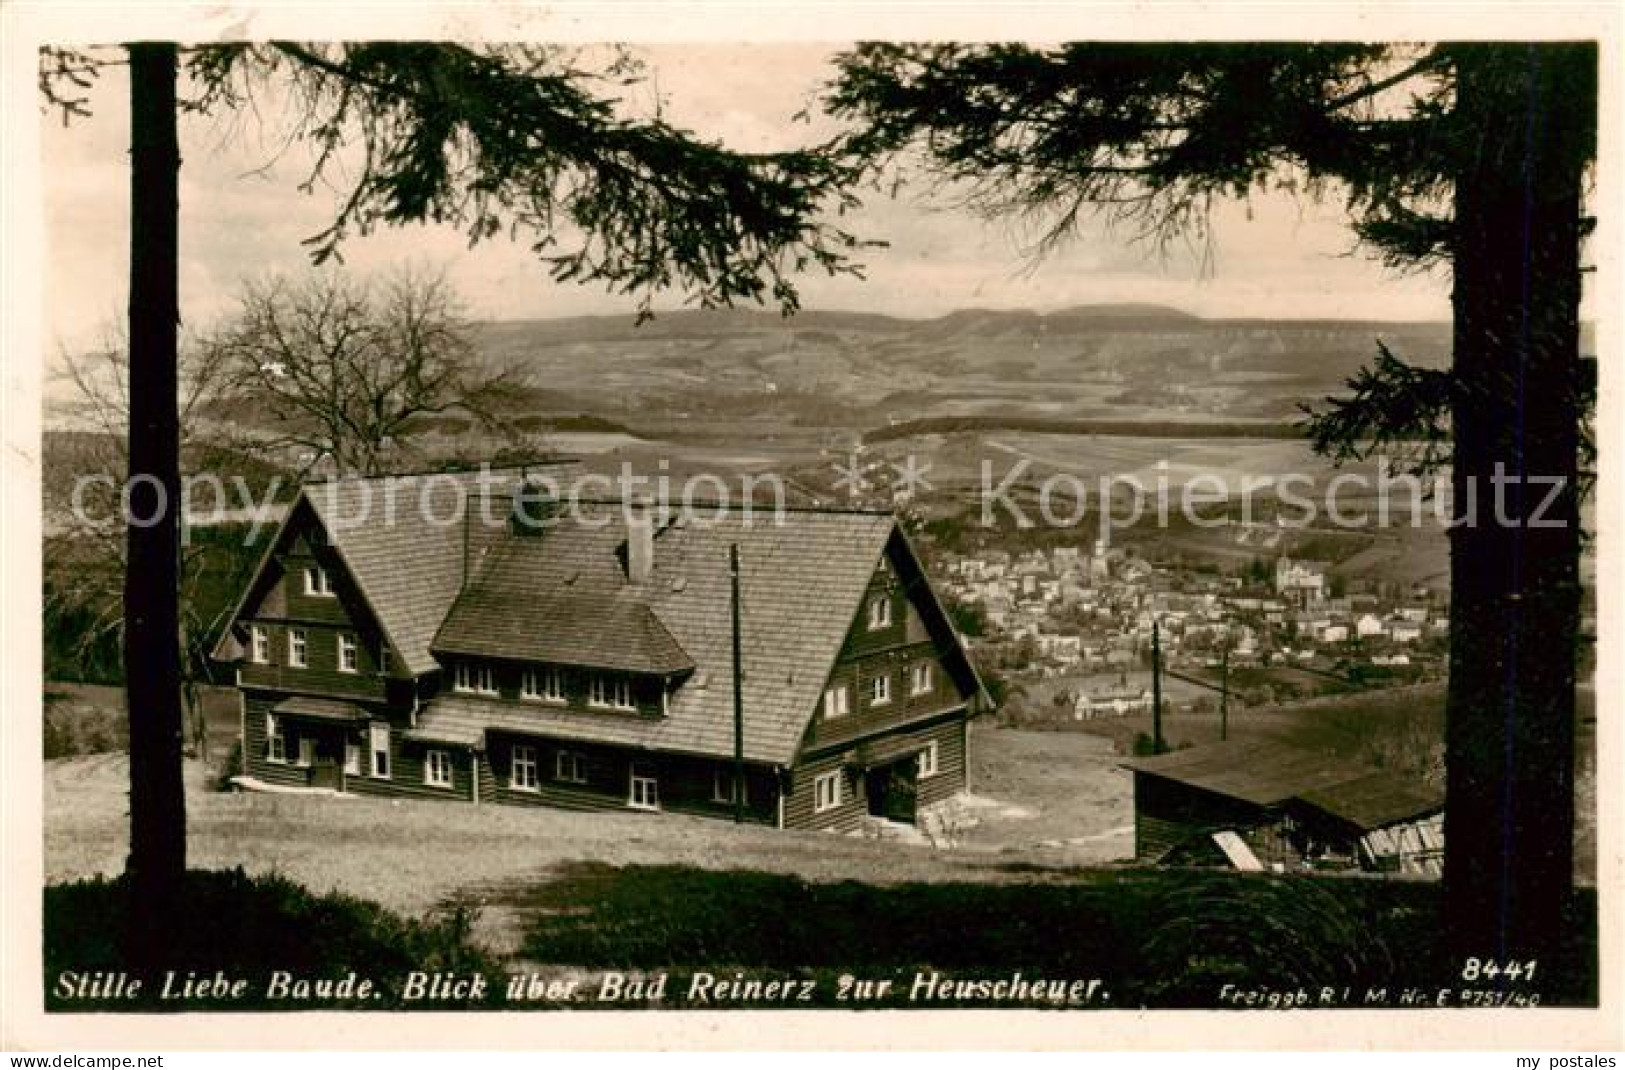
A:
{"x":346,"y":369}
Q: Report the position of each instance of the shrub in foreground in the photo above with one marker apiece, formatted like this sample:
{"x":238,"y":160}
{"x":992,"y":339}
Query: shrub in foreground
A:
{"x":248,"y":928}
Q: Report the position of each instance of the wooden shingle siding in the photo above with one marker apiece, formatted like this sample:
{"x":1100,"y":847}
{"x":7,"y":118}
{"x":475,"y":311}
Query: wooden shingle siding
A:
{"x":799,"y":804}
{"x":685,"y":784}
{"x":321,"y":677}
{"x":861,"y":638}
{"x":950,"y":779}
{"x":255,"y":764}
{"x":406,"y":761}
{"x":862,"y":717}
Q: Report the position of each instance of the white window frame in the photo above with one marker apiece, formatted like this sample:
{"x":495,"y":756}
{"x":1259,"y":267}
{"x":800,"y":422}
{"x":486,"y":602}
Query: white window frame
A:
{"x":542,"y":685}
{"x":437,"y":767}
{"x":643,"y":790}
{"x":349,"y":653}
{"x":837,"y":702}
{"x":722,"y":786}
{"x":378,"y":744}
{"x":259,"y":644}
{"x":318,"y":584}
{"x":880,"y":615}
{"x":473,"y":678}
{"x":276,"y":740}
{"x":829,"y":790}
{"x":880,"y":689}
{"x":352,"y":758}
{"x":608,"y":691}
{"x":927,"y":762}
{"x":920,"y":679}
{"x":298,"y":648}
{"x":569,"y":767}
{"x":523,"y":774}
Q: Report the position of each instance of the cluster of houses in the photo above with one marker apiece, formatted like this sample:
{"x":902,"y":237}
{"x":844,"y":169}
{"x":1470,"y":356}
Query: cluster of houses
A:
{"x":1093,"y":611}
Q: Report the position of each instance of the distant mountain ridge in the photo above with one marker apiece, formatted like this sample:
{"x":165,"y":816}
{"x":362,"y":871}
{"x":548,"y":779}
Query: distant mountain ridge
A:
{"x":1107,"y":316}
{"x":829,"y":368}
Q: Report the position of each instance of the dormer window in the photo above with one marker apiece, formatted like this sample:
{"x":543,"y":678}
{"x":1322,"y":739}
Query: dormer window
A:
{"x":317,"y":582}
{"x":879,"y":612}
{"x":542,"y":685}
{"x":836,"y":703}
{"x":610,"y":692}
{"x":473,"y":678}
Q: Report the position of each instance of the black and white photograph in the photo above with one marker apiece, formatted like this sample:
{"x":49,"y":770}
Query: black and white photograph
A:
{"x":607,"y":516}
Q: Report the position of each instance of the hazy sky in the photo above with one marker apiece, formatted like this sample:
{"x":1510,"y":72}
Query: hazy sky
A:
{"x":241,"y":214}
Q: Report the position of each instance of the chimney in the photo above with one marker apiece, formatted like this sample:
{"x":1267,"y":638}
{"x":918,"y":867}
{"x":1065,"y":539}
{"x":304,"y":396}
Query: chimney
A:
{"x":640,"y":540}
{"x":534,"y":504}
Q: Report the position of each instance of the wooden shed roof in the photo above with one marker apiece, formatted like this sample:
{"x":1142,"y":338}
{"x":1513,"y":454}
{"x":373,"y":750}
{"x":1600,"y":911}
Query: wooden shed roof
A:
{"x":1268,"y":773}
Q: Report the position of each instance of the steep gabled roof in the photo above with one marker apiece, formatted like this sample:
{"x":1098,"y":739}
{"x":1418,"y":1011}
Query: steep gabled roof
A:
{"x":402,"y":539}
{"x":402,"y":550}
{"x":803,"y":575}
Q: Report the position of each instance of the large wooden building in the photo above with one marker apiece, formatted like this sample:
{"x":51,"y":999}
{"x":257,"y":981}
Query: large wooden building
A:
{"x":1261,"y":803}
{"x":408,"y":637}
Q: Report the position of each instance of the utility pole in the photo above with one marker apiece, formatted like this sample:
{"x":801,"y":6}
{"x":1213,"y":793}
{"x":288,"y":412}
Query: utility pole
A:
{"x":739,"y":693}
{"x":1224,"y":691}
{"x":1156,"y":688}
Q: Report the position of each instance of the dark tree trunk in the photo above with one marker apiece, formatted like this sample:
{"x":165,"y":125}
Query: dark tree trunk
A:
{"x":152,"y":673}
{"x":1526,"y":120}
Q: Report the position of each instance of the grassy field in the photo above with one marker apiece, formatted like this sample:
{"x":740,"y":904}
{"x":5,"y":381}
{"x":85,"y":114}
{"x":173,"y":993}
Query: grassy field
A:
{"x":1028,"y":884}
{"x":417,"y":856}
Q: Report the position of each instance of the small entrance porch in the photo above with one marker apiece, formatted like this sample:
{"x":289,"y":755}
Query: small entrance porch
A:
{"x":324,"y":739}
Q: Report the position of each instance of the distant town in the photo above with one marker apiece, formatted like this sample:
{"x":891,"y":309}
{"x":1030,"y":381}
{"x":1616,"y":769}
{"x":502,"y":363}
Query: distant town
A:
{"x":1085,"y":616}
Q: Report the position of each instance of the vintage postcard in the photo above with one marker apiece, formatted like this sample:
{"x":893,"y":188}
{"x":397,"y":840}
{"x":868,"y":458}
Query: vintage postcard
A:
{"x":817,"y":526}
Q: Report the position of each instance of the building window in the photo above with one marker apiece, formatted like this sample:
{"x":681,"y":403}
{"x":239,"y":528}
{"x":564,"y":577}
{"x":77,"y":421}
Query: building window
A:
{"x":879,"y":690}
{"x":645,"y":794}
{"x":352,"y":758}
{"x":296,"y":648}
{"x":437,"y":768}
{"x":379,"y":732}
{"x":307,"y":751}
{"x":611,"y":692}
{"x":926,"y":763}
{"x":919,"y":678}
{"x":349,"y":655}
{"x":568,"y":767}
{"x":827,"y":791}
{"x":259,"y":644}
{"x":474,"y":677}
{"x":276,"y":744}
{"x":542,"y":685}
{"x":318,"y":582}
{"x":726,"y":789}
{"x":880,"y":611}
{"x":522,"y":768}
{"x":836,"y":702}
